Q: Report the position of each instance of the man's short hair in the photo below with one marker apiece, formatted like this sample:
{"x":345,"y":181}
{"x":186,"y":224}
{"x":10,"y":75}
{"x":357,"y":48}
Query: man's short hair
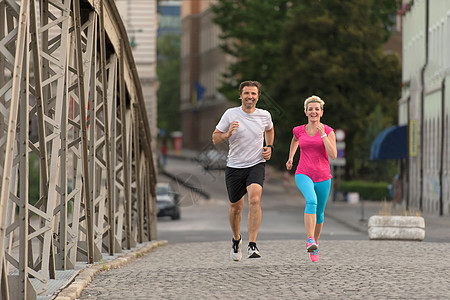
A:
{"x":250,"y":83}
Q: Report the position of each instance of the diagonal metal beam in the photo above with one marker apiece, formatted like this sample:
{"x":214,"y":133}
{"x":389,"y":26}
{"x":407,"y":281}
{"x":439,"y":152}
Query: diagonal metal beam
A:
{"x":81,"y":94}
{"x":20,"y":55}
{"x":51,"y":90}
{"x":109,"y":172}
{"x":137,"y":169}
{"x":127,"y":201}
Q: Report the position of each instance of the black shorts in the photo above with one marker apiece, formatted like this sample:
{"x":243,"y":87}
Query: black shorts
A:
{"x":237,"y":180}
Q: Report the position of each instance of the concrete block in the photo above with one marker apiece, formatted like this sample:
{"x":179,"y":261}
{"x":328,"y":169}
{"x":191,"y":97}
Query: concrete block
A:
{"x":353,"y":198}
{"x":396,"y":228}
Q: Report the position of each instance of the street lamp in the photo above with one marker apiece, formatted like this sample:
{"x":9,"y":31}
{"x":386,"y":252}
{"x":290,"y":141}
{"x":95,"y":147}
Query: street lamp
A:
{"x":132,"y":37}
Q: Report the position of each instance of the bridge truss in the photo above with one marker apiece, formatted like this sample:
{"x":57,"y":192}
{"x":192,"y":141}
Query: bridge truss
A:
{"x":66,"y":71}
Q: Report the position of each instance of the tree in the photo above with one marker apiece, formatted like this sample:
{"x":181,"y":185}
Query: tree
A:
{"x":251,"y":33}
{"x":384,"y":12}
{"x":297,"y":48}
{"x":377,"y":170}
{"x":168,"y":70}
{"x":333,"y":49}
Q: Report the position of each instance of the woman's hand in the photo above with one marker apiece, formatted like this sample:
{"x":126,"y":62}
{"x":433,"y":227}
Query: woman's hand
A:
{"x":289,"y":164}
{"x":321,"y":128}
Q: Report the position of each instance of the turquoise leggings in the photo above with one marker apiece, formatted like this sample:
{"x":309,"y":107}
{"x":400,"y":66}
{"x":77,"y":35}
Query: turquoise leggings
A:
{"x":315,"y":193}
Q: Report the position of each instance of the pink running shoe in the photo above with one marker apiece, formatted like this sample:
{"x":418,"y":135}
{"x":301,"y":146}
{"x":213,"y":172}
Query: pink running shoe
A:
{"x":314,"y":255}
{"x":311,"y":244}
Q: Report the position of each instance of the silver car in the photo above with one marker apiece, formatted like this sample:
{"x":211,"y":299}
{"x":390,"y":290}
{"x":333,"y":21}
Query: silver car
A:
{"x":167,"y":201}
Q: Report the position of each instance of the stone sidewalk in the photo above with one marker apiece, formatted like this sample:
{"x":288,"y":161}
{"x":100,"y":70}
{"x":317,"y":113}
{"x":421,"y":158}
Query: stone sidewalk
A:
{"x":346,"y":270}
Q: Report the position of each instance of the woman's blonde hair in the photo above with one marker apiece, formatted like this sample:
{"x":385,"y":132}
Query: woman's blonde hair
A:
{"x":314,"y":99}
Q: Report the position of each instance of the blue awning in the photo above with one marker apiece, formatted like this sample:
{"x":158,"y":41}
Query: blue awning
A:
{"x":391,"y":143}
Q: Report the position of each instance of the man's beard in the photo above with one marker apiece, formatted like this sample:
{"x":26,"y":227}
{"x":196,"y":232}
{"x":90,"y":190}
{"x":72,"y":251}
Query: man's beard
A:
{"x":249,"y":105}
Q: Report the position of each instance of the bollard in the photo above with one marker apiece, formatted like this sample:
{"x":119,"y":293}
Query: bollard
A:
{"x":362,"y":211}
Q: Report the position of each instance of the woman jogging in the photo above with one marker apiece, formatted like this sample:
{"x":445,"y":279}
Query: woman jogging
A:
{"x":317,"y":142}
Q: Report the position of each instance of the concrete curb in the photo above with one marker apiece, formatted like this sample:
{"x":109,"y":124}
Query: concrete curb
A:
{"x":359,"y":228}
{"x":73,"y":290}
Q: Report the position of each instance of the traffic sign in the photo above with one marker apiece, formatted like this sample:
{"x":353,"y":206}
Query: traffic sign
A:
{"x":340,"y":145}
{"x":340,"y":159}
{"x":340,"y":135}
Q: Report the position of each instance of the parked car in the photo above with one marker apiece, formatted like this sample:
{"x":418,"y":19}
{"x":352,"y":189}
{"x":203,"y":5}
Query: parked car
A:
{"x":167,"y":201}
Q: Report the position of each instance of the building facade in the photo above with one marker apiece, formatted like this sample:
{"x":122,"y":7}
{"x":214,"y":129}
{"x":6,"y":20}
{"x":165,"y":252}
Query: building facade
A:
{"x":202,"y":63}
{"x":169,"y":21}
{"x":425,"y":103}
{"x":141,"y":21}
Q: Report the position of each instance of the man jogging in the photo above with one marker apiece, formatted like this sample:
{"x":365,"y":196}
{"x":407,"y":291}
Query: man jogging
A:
{"x":245,"y":127}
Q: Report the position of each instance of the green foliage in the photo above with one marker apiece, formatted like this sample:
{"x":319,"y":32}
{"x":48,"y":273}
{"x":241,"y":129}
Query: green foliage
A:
{"x":168,"y":70}
{"x":329,"y":48}
{"x":367,"y":190}
{"x":379,"y":169}
{"x":338,"y":56}
{"x":385,"y":11}
{"x":252,"y":30}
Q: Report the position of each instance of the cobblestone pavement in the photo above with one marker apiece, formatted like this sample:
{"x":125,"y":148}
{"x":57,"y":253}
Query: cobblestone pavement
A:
{"x":346,"y":270}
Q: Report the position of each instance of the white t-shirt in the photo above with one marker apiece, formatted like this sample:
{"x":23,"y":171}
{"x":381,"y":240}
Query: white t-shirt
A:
{"x":246,"y":143}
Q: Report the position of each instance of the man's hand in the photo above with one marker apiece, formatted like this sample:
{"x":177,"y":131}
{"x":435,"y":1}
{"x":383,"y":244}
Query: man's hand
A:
{"x":267,"y":153}
{"x":232,"y":128}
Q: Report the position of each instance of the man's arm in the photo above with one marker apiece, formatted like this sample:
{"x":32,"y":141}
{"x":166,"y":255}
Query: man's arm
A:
{"x":220,"y":137}
{"x":269,"y":136}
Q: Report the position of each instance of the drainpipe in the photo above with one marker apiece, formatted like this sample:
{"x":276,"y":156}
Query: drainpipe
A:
{"x":443,"y":139}
{"x":407,"y":160}
{"x":405,"y":178}
{"x":422,"y":100}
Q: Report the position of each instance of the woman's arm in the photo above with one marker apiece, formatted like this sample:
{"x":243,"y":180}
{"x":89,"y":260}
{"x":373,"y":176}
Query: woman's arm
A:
{"x":330,"y":144}
{"x":292,"y":151}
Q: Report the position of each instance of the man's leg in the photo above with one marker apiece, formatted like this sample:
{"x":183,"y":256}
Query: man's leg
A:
{"x":235,"y":216}
{"x":254,"y":191}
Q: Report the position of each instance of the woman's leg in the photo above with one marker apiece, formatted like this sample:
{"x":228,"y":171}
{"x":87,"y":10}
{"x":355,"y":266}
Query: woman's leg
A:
{"x":322,"y":190}
{"x":306,"y":186}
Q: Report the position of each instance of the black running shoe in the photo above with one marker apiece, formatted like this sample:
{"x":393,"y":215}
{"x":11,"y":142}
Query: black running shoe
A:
{"x":253,"y":251}
{"x":235,"y":253}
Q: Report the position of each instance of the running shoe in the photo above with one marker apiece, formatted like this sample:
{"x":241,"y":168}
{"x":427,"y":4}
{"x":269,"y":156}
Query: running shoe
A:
{"x":314,"y":255}
{"x":236,"y":253}
{"x":311,"y":244}
{"x":253,"y":251}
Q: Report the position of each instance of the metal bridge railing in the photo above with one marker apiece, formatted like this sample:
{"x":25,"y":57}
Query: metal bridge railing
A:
{"x":65,"y":69}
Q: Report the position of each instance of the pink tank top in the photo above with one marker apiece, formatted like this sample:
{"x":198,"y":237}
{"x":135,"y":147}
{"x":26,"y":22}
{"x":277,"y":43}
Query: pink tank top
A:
{"x":313,"y":155}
